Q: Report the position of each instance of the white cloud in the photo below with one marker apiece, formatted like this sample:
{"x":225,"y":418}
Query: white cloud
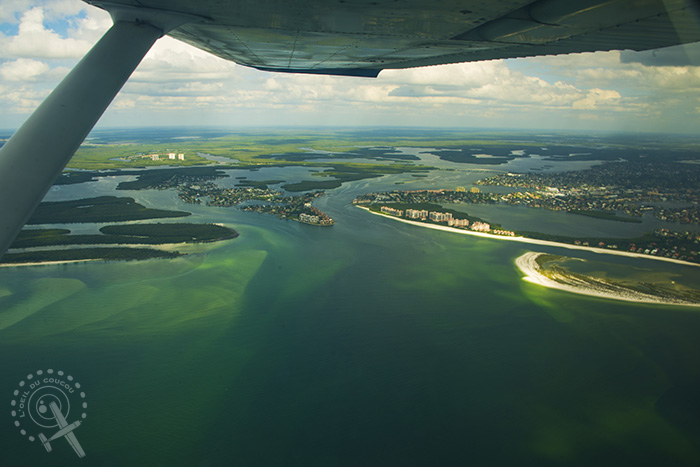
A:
{"x":54,"y":9}
{"x":11,"y":8}
{"x":23,"y":70}
{"x":684,"y":79}
{"x":488,"y":81}
{"x":607,"y":69}
{"x":22,"y":99}
{"x":171,"y":60}
{"x":596,"y":98}
{"x":35,"y":41}
{"x":464,"y":75}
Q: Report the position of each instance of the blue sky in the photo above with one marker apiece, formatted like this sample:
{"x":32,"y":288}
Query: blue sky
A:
{"x":179,"y":85}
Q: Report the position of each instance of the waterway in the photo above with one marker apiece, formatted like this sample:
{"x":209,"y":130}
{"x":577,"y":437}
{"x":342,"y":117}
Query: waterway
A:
{"x":370,"y":343}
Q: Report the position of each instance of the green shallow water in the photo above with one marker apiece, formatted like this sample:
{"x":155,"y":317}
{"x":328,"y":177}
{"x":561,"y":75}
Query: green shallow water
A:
{"x":369,"y":343}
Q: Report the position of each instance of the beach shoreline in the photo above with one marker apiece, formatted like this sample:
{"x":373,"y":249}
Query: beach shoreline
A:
{"x":527,"y":263}
{"x":533,"y":241}
{"x":184,"y":248}
{"x":48,"y":263}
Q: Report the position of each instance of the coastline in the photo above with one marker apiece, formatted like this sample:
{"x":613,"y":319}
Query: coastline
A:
{"x":185,"y":248}
{"x":528,"y":265}
{"x":47,"y":263}
{"x":533,"y":241}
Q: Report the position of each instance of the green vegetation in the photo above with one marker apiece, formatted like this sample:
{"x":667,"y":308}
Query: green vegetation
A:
{"x":113,"y":156}
{"x":299,"y":147}
{"x":112,"y":254}
{"x":337,"y":175}
{"x":100,"y":209}
{"x":256,"y":149}
{"x":309,"y":185}
{"x":151,"y":234}
{"x":108,"y":209}
{"x":543,"y":259}
{"x":262,"y":184}
{"x":351,"y":172}
{"x":167,"y":177}
{"x":172,"y":233}
{"x":606,"y":216}
{"x":271,"y":146}
{"x":71,"y":178}
{"x":38,"y":235}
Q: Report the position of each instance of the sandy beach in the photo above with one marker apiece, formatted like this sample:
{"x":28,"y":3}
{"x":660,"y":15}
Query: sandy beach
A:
{"x":533,"y":241}
{"x":527,"y":263}
{"x":46,"y":263}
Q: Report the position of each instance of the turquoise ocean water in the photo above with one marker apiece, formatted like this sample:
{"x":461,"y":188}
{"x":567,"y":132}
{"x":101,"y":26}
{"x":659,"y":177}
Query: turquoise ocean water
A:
{"x":370,"y":343}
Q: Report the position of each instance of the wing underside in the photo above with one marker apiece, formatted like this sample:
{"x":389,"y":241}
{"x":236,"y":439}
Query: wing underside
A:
{"x":361,"y":37}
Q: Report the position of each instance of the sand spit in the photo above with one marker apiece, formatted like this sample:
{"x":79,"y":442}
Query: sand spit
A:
{"x":586,"y":285}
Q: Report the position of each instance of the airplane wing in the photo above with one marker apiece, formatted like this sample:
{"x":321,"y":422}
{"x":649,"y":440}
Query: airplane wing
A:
{"x":342,"y":37}
{"x":58,"y":416}
{"x":73,"y":441}
{"x":362,"y":37}
{"x":70,"y":437}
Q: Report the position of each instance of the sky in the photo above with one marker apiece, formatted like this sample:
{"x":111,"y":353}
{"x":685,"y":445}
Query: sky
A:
{"x":176,"y":84}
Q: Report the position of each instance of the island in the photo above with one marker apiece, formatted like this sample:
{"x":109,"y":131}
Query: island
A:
{"x":99,"y":209}
{"x":145,"y":240}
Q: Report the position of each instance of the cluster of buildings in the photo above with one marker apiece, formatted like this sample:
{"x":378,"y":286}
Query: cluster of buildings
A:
{"x":319,"y":218}
{"x":392,"y":211}
{"x":308,"y":218}
{"x":156,"y":156}
{"x":632,"y":188}
{"x":416,"y":214}
{"x":481,"y":227}
{"x":461,"y":189}
{"x":436,"y":216}
{"x":170,"y":155}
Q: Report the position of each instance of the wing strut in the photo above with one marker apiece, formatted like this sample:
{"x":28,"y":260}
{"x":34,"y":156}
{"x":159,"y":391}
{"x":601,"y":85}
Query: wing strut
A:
{"x":39,"y":150}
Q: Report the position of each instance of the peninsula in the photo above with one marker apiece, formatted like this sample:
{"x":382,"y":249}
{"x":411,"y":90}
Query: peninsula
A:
{"x":424,"y":207}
